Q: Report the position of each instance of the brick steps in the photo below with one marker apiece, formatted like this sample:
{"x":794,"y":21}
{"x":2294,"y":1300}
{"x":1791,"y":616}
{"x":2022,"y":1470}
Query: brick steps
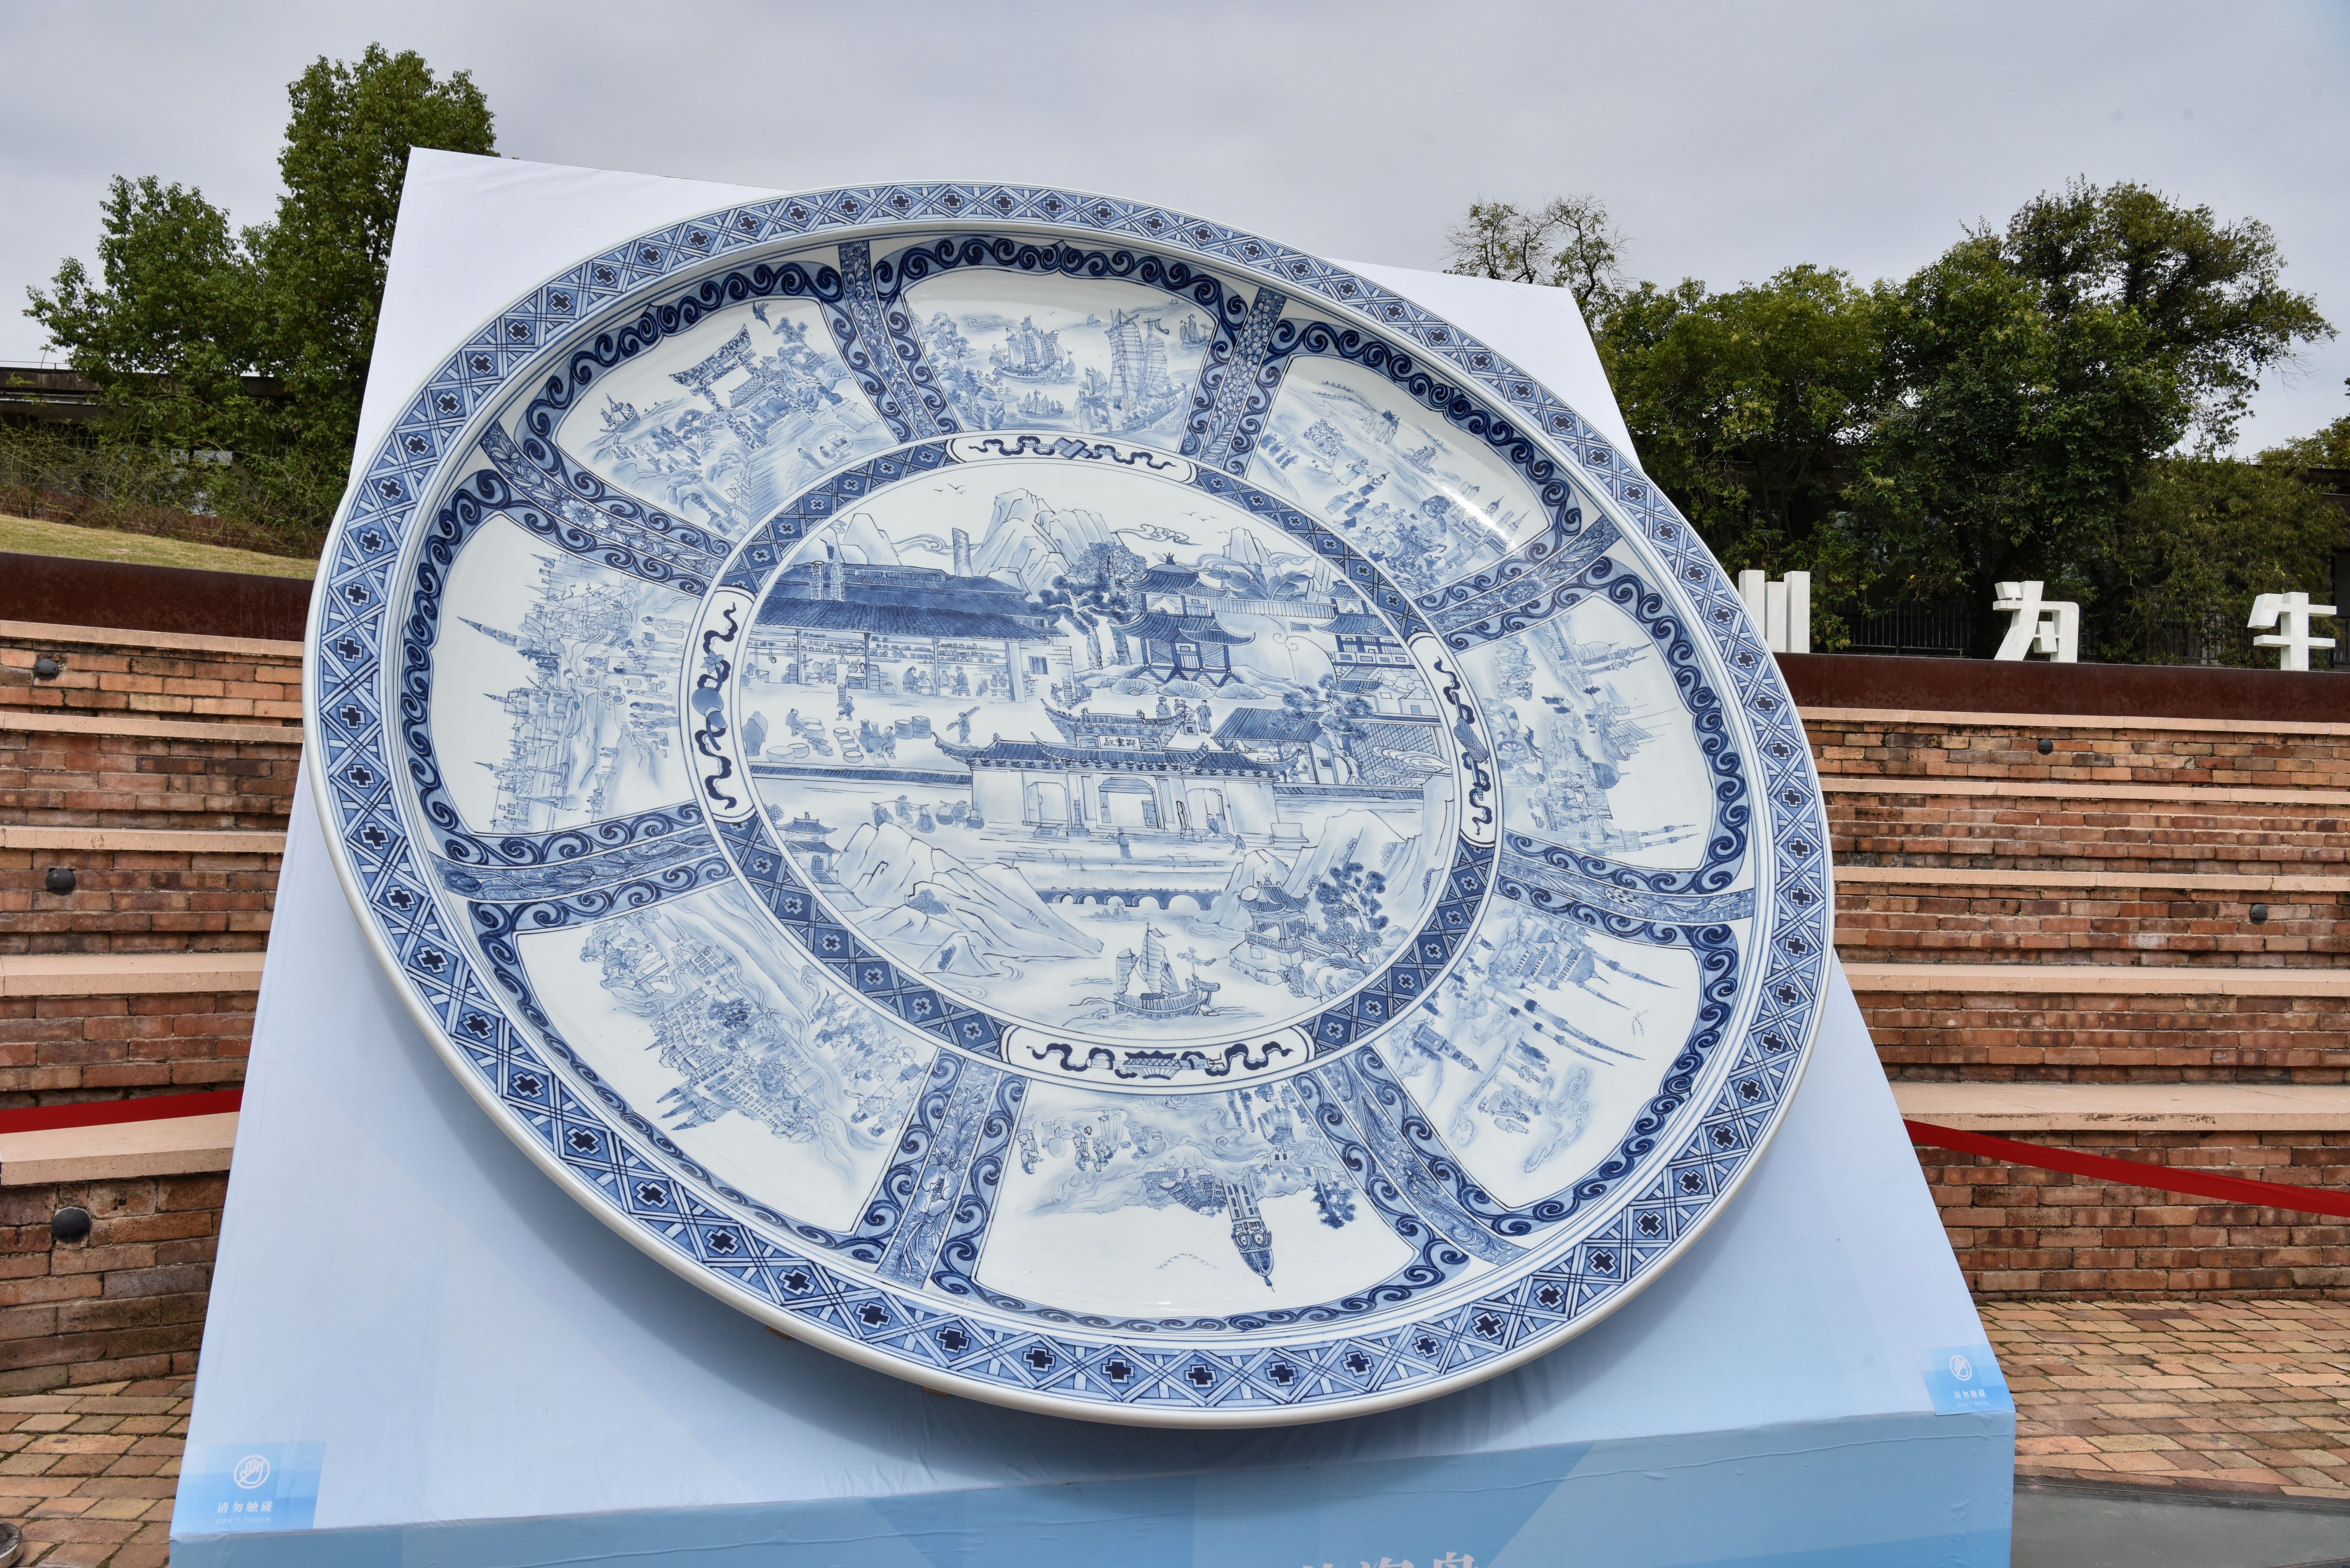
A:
{"x":2027,"y":1110}
{"x":168,"y":1146}
{"x":160,"y":768}
{"x":2033,"y":1023}
{"x":2054,"y":833}
{"x":2087,"y":749}
{"x":161,"y":674}
{"x":2020,"y":1231}
{"x":137,"y":891}
{"x":128,"y":1299}
{"x":71,"y":770}
{"x":2081,"y":917}
{"x":1940,"y":913}
{"x":92,"y":1026}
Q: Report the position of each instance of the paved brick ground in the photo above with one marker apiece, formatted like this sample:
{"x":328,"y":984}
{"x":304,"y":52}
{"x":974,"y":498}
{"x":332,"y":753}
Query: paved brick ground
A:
{"x":89,"y":1473}
{"x":2233,"y":1394}
{"x":2240,"y":1396}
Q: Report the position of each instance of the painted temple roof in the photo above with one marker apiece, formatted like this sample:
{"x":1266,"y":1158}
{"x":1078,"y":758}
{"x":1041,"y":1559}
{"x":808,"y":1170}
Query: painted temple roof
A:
{"x":1086,"y":721}
{"x":1356,"y":623}
{"x":1157,"y":626}
{"x":1268,"y":726}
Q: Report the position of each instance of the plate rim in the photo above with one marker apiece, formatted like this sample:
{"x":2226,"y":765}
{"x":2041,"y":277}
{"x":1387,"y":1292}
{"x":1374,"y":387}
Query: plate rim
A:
{"x":714,"y":262}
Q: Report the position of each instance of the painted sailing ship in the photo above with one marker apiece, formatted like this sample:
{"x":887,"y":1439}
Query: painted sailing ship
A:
{"x":1028,"y":355}
{"x":1160,"y":996}
{"x":1140,"y":389}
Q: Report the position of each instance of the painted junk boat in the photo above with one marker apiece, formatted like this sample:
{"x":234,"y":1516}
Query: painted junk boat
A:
{"x":1159,"y":997}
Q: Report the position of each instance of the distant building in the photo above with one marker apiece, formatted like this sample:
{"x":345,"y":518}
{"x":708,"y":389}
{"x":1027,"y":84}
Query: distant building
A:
{"x":860,"y":617}
{"x":1080,"y":790}
{"x":1183,"y":647}
{"x":1251,"y":1236}
{"x":1364,"y":639}
{"x":807,"y":838}
{"x":597,"y":666}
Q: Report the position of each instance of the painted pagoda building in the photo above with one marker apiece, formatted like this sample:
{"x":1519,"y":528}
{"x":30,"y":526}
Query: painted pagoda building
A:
{"x":1251,"y":1236}
{"x":1167,"y":645}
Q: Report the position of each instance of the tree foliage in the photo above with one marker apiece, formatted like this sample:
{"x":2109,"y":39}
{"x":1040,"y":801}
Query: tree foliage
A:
{"x":2021,"y":407}
{"x":2328,"y":448}
{"x":183,"y":307}
{"x":2201,"y":537}
{"x":175,"y":303}
{"x":1751,"y":407}
{"x":1571,"y":243}
{"x":344,"y":165}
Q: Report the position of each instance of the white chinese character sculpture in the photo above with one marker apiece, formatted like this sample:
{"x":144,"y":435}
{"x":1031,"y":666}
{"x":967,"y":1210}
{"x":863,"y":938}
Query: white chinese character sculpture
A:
{"x":1782,"y":609}
{"x":2289,"y":613}
{"x":2051,"y":627}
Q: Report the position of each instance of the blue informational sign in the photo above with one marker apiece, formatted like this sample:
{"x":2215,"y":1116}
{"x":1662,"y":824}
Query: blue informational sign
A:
{"x":248,"y":1486}
{"x":1966,"y":1377}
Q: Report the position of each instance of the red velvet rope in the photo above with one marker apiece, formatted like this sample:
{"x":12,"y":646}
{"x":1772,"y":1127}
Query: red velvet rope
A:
{"x":105,"y":1113}
{"x":2134,"y":1173}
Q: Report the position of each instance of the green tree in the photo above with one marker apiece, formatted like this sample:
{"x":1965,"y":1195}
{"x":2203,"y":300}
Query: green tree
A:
{"x":2038,"y":370}
{"x":1570,"y":243}
{"x":2201,"y":537}
{"x":1990,"y":417}
{"x":2328,"y":448}
{"x":170,"y":325}
{"x":1751,"y":407}
{"x":344,"y":165}
{"x":183,"y":308}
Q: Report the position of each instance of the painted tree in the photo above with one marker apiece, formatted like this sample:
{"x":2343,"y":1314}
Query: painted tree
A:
{"x":1348,"y":899}
{"x":1100,"y":588}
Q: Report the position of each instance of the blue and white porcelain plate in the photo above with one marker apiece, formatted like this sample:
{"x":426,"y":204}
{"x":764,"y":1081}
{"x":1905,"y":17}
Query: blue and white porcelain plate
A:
{"x":1071,"y":803}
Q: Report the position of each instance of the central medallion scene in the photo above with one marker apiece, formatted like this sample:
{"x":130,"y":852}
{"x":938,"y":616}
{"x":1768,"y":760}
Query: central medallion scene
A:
{"x":1097,"y":752}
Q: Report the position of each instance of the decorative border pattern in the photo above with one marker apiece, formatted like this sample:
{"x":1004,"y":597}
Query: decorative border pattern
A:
{"x":364,"y":711}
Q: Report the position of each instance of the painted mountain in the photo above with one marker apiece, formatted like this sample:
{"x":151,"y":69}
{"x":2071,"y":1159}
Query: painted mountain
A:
{"x":1029,"y":543}
{"x":944,"y":917}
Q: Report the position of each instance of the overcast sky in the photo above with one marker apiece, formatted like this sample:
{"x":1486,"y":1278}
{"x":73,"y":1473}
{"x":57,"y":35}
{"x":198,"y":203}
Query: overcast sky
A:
{"x":1730,"y":140}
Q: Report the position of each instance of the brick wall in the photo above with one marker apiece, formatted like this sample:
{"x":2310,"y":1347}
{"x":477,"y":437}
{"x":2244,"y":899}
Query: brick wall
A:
{"x":160,"y":683}
{"x":2194,"y":753}
{"x":2020,"y":1232}
{"x":127,"y":1301}
{"x":137,"y":900}
{"x":1927,"y":919}
{"x":75,"y":780}
{"x":2218,"y":837}
{"x":57,"y":1048}
{"x":1952,"y":1036}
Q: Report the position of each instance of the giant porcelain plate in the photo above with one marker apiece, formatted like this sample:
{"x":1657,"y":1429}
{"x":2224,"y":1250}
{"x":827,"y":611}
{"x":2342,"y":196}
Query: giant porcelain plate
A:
{"x":1070,"y":804}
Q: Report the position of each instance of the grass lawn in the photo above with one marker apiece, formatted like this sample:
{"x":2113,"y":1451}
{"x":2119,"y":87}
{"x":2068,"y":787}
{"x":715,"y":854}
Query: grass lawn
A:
{"x":25,"y":536}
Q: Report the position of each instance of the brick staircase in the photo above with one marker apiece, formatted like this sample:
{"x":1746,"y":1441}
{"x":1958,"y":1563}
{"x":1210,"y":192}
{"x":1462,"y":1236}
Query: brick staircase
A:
{"x":145,"y":779}
{"x":2062,"y":946}
{"x":2058,"y":945}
